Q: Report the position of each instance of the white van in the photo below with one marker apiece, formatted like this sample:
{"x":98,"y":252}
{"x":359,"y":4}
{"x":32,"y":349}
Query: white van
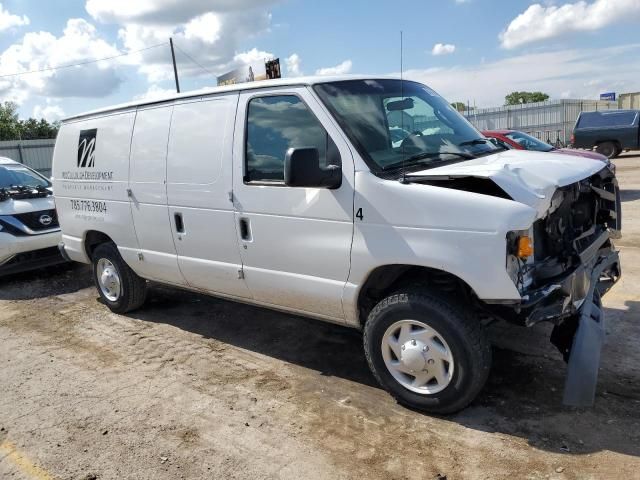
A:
{"x":298,"y":195}
{"x":29,"y":230}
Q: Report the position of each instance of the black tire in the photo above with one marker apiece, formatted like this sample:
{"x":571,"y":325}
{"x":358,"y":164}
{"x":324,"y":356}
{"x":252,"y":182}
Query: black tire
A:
{"x":457,"y":326}
{"x":133,"y":288}
{"x":618,"y":152}
{"x":608,"y":149}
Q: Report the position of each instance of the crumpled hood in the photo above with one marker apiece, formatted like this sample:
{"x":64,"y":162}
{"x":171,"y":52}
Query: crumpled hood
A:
{"x":12,"y":206}
{"x":528,"y":177}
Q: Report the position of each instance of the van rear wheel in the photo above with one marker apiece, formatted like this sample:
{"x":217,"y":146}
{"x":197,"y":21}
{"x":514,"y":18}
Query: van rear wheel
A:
{"x":429,"y":353}
{"x":608,"y":149}
{"x":119,"y":286}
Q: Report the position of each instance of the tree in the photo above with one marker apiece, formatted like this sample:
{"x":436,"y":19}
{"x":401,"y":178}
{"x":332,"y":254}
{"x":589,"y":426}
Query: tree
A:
{"x":516,"y":98}
{"x":12,"y":128}
{"x":461,"y":107}
{"x":9,"y":123}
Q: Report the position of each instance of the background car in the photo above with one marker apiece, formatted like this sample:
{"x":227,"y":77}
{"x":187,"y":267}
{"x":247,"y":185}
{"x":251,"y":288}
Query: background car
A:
{"x":514,"y":139}
{"x":609,"y":132}
{"x":29,"y":229}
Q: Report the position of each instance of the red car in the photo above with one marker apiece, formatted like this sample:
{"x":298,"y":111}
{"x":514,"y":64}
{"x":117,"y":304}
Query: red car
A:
{"x":513,"y":139}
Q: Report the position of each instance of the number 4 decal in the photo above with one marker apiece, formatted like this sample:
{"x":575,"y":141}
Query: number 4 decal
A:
{"x":359,"y":214}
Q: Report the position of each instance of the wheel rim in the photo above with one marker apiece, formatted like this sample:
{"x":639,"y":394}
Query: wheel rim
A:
{"x":607,"y":150}
{"x":108,"y":280}
{"x":417,"y":356}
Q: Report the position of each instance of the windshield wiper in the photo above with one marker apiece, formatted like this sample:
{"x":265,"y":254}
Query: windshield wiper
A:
{"x":419,"y":156}
{"x":475,"y":141}
{"x":414,"y":159}
{"x":23,"y":192}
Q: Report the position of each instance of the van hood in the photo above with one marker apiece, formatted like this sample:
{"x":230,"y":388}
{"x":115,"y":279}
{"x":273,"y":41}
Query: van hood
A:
{"x":15,"y":207}
{"x":527,"y":177}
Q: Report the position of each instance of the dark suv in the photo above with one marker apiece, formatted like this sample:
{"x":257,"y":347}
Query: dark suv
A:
{"x":609,"y":132}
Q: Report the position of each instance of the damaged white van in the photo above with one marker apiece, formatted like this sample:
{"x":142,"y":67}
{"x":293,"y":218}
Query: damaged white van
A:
{"x":362,"y":201}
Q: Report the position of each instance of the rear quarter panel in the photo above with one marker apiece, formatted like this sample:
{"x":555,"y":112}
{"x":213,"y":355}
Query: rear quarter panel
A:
{"x":91,"y":194}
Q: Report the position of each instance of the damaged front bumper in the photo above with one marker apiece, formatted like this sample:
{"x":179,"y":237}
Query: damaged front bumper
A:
{"x":573,"y":303}
{"x":588,"y":336}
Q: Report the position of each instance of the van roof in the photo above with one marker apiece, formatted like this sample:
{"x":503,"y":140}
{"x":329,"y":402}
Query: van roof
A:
{"x":281,"y":82}
{"x":7,"y":161}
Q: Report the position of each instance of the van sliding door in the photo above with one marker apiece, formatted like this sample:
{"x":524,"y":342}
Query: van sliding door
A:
{"x":198,"y":188}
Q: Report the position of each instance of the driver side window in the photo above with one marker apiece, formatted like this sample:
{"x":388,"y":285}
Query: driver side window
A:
{"x":275,"y":124}
{"x":420,"y":119}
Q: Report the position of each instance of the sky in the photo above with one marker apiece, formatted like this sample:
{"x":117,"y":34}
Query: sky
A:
{"x":474,"y":51}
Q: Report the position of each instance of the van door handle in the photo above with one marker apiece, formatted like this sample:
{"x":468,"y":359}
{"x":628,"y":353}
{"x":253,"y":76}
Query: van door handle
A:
{"x":245,"y":229}
{"x":177,"y":217}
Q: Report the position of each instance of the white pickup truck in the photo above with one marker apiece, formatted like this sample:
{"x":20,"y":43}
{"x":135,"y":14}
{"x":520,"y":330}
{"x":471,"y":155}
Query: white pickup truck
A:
{"x":368,"y":202}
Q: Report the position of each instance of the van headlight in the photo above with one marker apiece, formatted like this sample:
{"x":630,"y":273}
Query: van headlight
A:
{"x":519,"y":261}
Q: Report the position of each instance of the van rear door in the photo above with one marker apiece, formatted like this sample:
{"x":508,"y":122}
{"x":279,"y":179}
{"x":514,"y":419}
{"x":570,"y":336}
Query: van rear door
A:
{"x":295,"y":241}
{"x":199,"y":187}
{"x":148,"y":196}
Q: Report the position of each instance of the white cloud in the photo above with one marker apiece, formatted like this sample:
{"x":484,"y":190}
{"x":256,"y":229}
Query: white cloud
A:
{"x":210,"y":32}
{"x":582,"y":73}
{"x":540,"y":22}
{"x":341,"y":69}
{"x":205,"y":27}
{"x":293,"y":63}
{"x":252,"y":56}
{"x":169,"y":12}
{"x":155,"y":92}
{"x":443,"y":49}
{"x":9,"y":20}
{"x":50,"y":111}
{"x":40,"y":50}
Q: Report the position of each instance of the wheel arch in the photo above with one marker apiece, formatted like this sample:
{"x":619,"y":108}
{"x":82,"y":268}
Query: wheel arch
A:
{"x":385,"y":279}
{"x":93,"y":238}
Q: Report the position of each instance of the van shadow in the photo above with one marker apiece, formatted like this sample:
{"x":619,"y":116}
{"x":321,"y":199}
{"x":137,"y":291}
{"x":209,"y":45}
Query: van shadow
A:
{"x":629,"y":195}
{"x":54,"y":280}
{"x":522,"y":398}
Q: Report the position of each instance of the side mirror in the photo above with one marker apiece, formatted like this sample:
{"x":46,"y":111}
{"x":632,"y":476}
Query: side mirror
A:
{"x":302,"y":169}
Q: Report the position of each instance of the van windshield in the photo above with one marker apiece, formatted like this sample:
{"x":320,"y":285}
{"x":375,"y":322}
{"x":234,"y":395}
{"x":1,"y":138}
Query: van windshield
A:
{"x":20,"y":176}
{"x":397,"y":125}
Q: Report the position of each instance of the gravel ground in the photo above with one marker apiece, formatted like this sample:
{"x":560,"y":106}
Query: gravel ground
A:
{"x":196,"y":387}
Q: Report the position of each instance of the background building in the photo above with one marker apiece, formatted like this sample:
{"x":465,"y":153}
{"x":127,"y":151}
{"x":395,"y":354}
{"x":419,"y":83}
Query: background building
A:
{"x":550,"y":121}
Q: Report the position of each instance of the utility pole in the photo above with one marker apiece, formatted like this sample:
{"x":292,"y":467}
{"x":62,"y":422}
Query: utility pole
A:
{"x":175,"y":69}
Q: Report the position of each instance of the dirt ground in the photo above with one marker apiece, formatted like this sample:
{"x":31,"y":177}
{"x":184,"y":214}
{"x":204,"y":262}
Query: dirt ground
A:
{"x":195,"y":387}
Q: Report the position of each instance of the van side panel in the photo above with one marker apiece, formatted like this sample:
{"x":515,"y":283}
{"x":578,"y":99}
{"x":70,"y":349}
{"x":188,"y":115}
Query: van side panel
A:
{"x":148,"y":167}
{"x":199,"y":169}
{"x":407,"y":225}
{"x":90,"y":171}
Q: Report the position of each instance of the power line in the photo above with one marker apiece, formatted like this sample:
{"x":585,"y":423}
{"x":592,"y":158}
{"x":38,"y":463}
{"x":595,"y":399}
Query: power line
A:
{"x":193,"y":60}
{"x":82,"y":63}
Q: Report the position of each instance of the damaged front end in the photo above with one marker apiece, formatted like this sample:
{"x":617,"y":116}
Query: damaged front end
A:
{"x":574,"y":263}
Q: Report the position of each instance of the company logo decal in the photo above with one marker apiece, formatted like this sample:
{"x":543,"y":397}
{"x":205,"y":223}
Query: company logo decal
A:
{"x":87,"y":148}
{"x":45,"y":220}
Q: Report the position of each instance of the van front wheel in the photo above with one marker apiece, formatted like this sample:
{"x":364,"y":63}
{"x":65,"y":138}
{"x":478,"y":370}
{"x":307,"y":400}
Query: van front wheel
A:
{"x":430,"y":354}
{"x":119,"y":286}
